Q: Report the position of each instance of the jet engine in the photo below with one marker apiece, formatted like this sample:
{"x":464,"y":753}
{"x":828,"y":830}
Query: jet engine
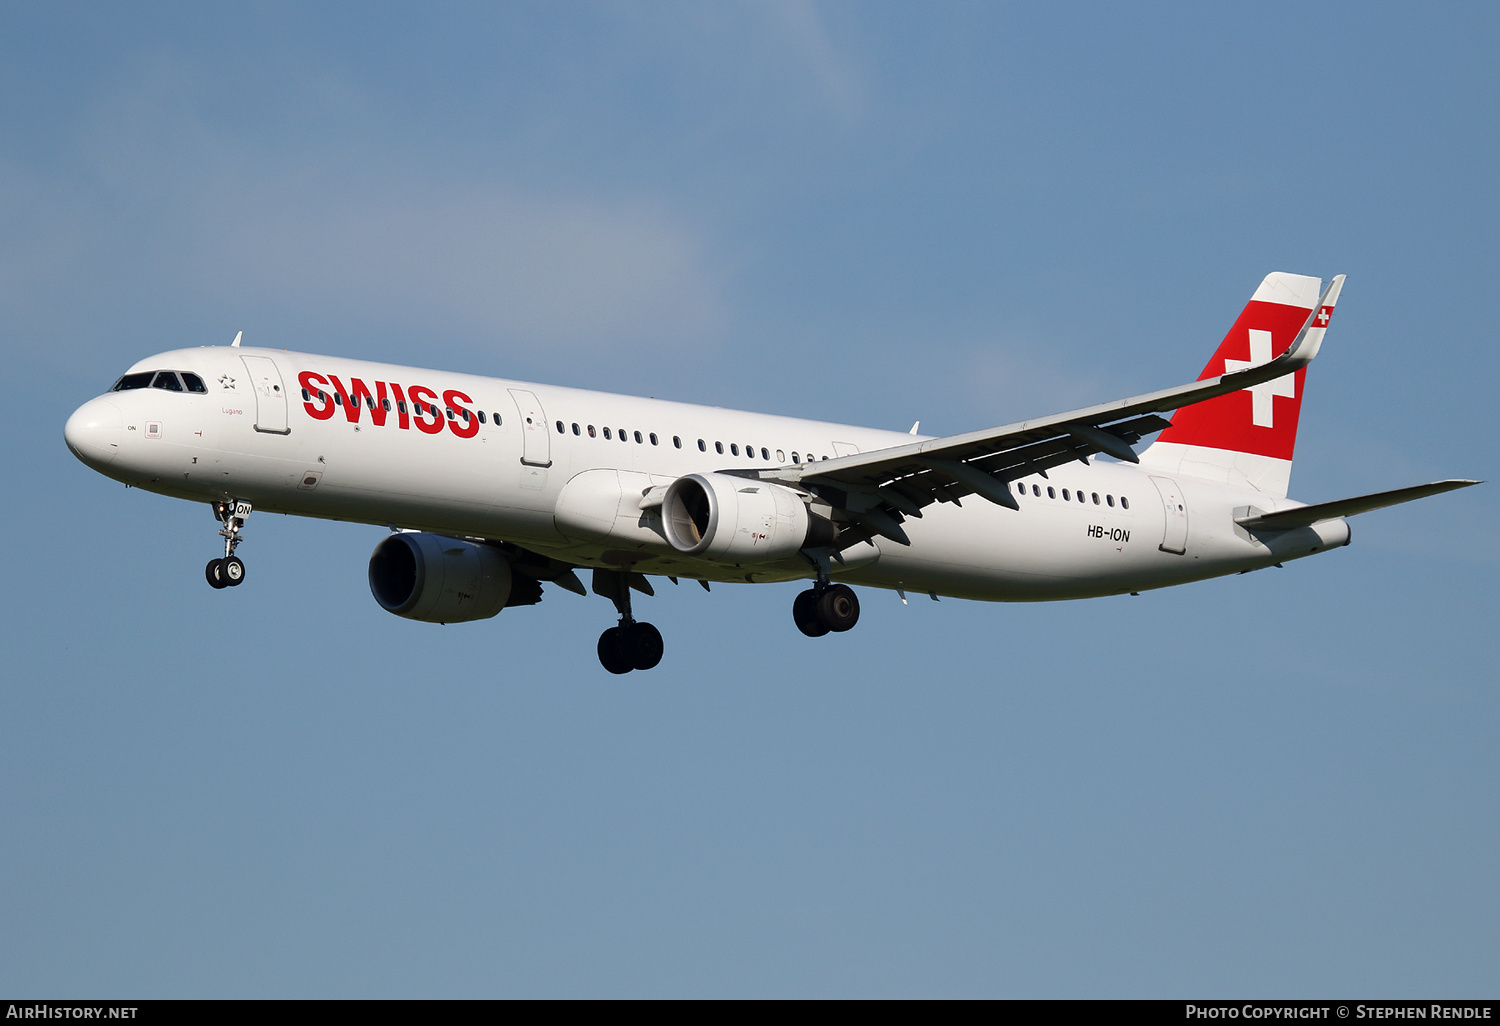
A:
{"x":441,"y":580}
{"x":739,"y":520}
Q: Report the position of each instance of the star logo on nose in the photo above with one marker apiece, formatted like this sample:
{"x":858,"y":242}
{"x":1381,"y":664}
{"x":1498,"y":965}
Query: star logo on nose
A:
{"x":227,"y":382}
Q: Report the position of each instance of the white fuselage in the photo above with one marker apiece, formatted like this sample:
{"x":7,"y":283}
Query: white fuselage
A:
{"x":253,"y":439}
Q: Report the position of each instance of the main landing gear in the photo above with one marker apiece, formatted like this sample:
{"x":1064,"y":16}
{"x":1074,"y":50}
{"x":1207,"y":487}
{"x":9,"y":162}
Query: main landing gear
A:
{"x":632,"y":645}
{"x":229,"y":571}
{"x":826,"y":607}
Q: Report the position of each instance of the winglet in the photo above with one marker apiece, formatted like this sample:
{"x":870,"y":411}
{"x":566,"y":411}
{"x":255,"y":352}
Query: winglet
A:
{"x":237,"y":336}
{"x":1310,"y":339}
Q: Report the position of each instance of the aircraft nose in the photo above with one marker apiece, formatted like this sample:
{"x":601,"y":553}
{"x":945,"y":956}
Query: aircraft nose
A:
{"x":94,"y":431}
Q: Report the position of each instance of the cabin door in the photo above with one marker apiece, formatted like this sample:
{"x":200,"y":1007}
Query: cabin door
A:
{"x":1174,"y":538}
{"x":270,"y":397}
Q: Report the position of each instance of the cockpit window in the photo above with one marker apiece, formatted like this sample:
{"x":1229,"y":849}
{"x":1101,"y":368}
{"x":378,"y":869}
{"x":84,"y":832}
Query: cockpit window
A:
{"x":168,"y":381}
{"x":129,"y":381}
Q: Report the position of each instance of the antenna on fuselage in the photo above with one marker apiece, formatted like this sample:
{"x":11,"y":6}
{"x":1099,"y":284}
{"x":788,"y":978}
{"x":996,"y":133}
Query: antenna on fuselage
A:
{"x":237,"y":336}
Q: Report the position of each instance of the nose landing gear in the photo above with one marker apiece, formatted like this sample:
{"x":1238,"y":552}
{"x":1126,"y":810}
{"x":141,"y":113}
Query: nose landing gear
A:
{"x":229,"y":571}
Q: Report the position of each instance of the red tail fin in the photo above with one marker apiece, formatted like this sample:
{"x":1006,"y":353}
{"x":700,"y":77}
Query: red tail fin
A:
{"x":1248,"y":436}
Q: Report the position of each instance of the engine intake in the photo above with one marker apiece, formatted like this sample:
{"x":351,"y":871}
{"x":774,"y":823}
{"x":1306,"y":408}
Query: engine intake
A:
{"x":440,"y":580}
{"x":739,"y":520}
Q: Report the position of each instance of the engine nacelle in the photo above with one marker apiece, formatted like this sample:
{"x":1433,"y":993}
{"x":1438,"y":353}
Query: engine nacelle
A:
{"x":738,"y":519}
{"x":441,"y":580}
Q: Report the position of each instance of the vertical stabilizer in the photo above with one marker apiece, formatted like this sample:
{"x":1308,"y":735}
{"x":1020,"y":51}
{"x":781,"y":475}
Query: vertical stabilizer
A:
{"x":1248,"y":437}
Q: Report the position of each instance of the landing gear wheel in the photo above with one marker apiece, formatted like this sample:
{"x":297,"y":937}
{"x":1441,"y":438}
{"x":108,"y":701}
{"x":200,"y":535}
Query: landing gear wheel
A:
{"x":613,"y":651}
{"x":233,"y":572}
{"x":805,"y":614}
{"x":643,"y":642}
{"x":838,"y":608}
{"x":229,"y":571}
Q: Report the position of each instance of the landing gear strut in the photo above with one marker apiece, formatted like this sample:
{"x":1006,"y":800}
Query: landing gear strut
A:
{"x":632,"y":645}
{"x":229,"y":571}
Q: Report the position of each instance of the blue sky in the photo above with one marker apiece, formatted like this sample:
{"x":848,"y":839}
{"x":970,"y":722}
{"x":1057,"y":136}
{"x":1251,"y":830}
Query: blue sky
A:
{"x":1282,"y":784}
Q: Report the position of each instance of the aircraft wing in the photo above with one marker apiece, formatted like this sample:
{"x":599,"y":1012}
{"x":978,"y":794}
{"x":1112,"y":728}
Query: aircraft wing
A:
{"x":1306,"y":516}
{"x":875,"y":489}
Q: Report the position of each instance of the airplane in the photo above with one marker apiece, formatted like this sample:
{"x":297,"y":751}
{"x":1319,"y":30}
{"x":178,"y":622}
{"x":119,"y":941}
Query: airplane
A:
{"x":492,"y":488}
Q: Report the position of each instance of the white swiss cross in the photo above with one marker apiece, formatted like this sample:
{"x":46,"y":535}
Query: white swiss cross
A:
{"x":1323,"y":314}
{"x":1261,"y":406}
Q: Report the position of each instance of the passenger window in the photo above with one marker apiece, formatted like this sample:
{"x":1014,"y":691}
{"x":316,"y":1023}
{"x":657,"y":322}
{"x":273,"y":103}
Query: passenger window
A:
{"x":129,"y":381}
{"x":1051,"y":492}
{"x":167,"y":380}
{"x":795,"y":458}
{"x":575,"y":427}
{"x":734,"y":447}
{"x":338,"y":398}
{"x":637,"y":437}
{"x":653,"y":437}
{"x":385,"y":404}
{"x":780,"y":456}
{"x":1082,"y":497}
{"x":1021,"y":488}
{"x":306,"y":396}
{"x":496,"y":418}
{"x":481,"y":414}
{"x":591,"y":431}
{"x":764,"y":453}
{"x":676,"y":442}
{"x":719,"y":448}
{"x":370,"y":402}
{"x":1124,"y":502}
{"x":400,"y":403}
{"x":1036,"y":490}
{"x":702,"y":445}
{"x":1096,"y":498}
{"x":1066,"y":496}
{"x":560,"y":428}
{"x":607,"y":434}
{"x":1109,"y":500}
{"x":432,"y":409}
{"x":194,"y":383}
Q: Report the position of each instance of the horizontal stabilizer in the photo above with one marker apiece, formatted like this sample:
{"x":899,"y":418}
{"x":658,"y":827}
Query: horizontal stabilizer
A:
{"x":1305,"y":516}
